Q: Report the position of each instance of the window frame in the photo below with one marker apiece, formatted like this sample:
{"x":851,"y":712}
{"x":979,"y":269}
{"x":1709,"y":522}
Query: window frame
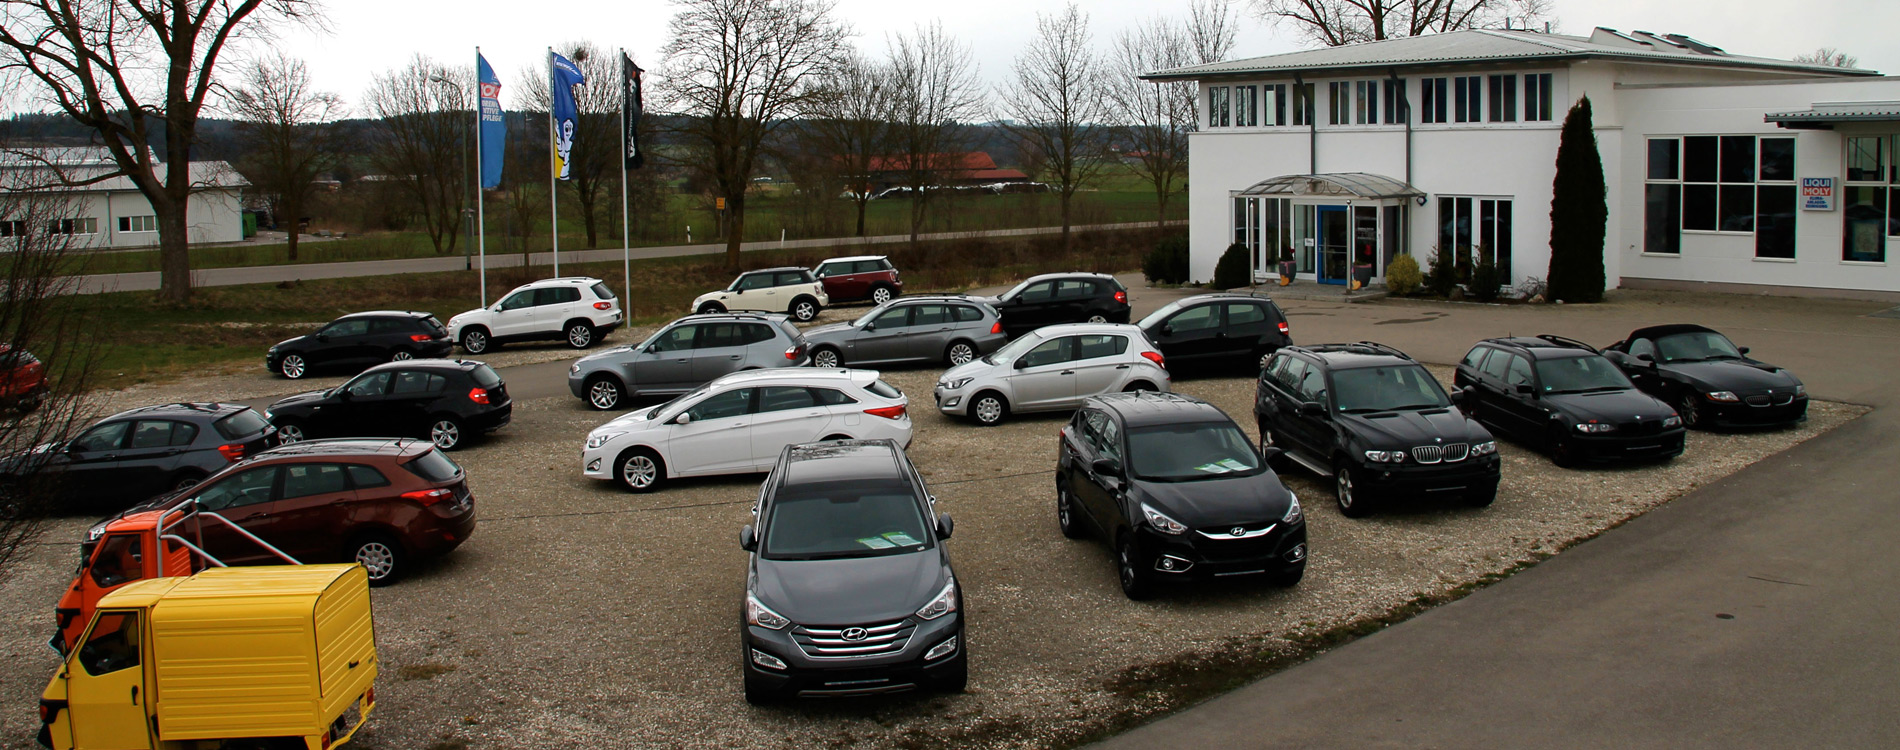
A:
{"x":1671,"y":185}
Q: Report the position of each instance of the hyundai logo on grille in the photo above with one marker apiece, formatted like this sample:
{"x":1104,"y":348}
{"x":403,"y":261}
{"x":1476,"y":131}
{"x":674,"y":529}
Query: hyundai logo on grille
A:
{"x":853,"y":634}
{"x":1238,"y":531}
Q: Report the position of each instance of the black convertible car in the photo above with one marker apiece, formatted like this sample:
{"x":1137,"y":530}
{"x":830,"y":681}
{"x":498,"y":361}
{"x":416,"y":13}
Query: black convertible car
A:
{"x":1710,"y":380}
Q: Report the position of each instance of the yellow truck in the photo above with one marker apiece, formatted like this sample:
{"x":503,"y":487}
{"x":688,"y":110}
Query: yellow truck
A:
{"x":253,"y":658}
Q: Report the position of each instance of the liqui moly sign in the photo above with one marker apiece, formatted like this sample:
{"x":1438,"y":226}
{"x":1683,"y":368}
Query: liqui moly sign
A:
{"x":1817,"y":193}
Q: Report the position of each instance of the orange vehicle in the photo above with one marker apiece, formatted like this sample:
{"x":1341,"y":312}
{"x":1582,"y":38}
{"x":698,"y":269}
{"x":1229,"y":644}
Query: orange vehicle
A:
{"x":22,"y":379}
{"x":120,"y":550}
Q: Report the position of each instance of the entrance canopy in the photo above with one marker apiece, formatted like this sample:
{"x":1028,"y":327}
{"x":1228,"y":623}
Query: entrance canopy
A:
{"x":1825,"y":115}
{"x":1338,"y":184}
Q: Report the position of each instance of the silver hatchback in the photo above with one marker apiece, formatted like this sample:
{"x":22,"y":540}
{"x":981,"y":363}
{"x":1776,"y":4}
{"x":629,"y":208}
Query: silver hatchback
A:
{"x":685,"y":354}
{"x":952,"y":329}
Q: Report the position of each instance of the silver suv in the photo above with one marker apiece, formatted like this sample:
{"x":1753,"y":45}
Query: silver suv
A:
{"x":685,"y":354}
{"x":1053,"y":368}
{"x":952,"y":329}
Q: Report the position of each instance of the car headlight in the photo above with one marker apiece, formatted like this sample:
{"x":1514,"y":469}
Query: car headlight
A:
{"x":598,"y":439}
{"x":1800,"y":390}
{"x":951,"y":385}
{"x":1293,"y":512}
{"x":759,"y":614}
{"x":1161,"y":521}
{"x":1723,"y":396}
{"x":1381,"y":457}
{"x":944,"y":603}
{"x":574,"y":369}
{"x":1674,"y":420}
{"x":1485,"y":448}
{"x":1592,"y":428}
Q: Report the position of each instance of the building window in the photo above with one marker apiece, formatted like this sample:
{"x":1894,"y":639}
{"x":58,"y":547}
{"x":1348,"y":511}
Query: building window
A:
{"x":1366,"y":102}
{"x":1503,"y":98}
{"x":1467,"y":99}
{"x":1432,"y":93}
{"x":13,"y":228}
{"x":1474,"y":230}
{"x":1868,"y":199}
{"x":1246,"y":108}
{"x":1247,"y":224}
{"x":1537,"y":97}
{"x":1339,"y":103}
{"x":1273,"y":104}
{"x":73,"y":226}
{"x":1395,"y":101}
{"x":1218,"y":111}
{"x":138,"y":223}
{"x":1304,"y":109}
{"x":1728,"y":183}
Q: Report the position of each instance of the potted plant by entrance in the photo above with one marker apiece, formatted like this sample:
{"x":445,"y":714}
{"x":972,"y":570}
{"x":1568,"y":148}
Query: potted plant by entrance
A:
{"x":1362,"y":271}
{"x":1287,"y":267}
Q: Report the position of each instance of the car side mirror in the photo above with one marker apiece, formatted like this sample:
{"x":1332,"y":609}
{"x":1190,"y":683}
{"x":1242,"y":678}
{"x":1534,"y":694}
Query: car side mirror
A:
{"x":1743,"y":350}
{"x":1312,"y":409}
{"x":1464,"y":395}
{"x":1526,"y":389}
{"x":748,"y":538}
{"x":870,"y":326}
{"x":323,"y":337}
{"x":738,"y":291}
{"x":344,"y":395}
{"x":685,"y":418}
{"x":1270,"y":454}
{"x":1646,"y":357}
{"x":1106,"y":467}
{"x":1022,"y":364}
{"x":945,"y":525}
{"x":1167,"y":329}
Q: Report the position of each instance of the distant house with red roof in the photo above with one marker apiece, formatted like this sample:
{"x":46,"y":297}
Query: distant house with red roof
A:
{"x":964,"y":168}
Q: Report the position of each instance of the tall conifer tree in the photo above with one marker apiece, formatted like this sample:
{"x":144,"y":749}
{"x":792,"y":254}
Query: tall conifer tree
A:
{"x":1579,"y":212}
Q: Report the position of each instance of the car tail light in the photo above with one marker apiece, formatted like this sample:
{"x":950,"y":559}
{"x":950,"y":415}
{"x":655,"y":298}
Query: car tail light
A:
{"x":478,"y":395}
{"x":420,"y":337}
{"x":232,"y":452}
{"x":888,"y":412}
{"x":603,"y":305}
{"x":429,"y":497}
{"x":1121,"y":297}
{"x":1284,"y":328}
{"x":1156,"y":358}
{"x":795,"y":352}
{"x":996,"y":327}
{"x":49,"y":710}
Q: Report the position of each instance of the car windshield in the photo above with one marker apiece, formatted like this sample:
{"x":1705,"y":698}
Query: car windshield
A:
{"x":688,"y":397}
{"x":1363,"y":390}
{"x":1696,"y":347}
{"x":1014,"y":349}
{"x":1015,"y":290}
{"x":1580,"y":375}
{"x":1187,"y":452}
{"x":835,"y":520}
{"x":1155,"y":318}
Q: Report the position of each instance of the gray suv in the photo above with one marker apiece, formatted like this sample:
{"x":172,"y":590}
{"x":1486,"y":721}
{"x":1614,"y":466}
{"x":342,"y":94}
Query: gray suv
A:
{"x":685,"y":354}
{"x":952,"y":329}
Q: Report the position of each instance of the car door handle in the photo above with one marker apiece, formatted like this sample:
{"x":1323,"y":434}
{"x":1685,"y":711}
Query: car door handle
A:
{"x":734,"y":357}
{"x":1121,"y":367}
{"x":737,"y":426}
{"x":1068,"y":372}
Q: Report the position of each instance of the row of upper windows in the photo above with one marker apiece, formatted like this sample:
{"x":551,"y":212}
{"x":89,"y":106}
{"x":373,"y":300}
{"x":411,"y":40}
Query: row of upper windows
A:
{"x":1504,"y":97}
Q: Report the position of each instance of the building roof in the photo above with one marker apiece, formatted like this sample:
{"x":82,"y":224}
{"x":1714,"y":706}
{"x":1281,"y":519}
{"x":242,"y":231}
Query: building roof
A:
{"x":1495,"y":45}
{"x":40,"y":168}
{"x":967,"y":160}
{"x":1824,"y":114}
{"x":1344,"y":184}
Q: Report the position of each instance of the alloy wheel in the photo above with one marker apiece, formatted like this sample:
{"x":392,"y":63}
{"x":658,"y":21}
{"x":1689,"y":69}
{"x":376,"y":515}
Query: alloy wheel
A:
{"x":804,"y":311}
{"x":881,"y":295}
{"x":401,"y":355}
{"x":639,"y":472}
{"x":603,"y":395}
{"x":1342,"y":487}
{"x":289,"y":433}
{"x":961,"y":353}
{"x":293,"y":366}
{"x":378,"y":558}
{"x":446,"y":434}
{"x":826,"y":357}
{"x":1685,"y":408}
{"x":475,"y":342}
{"x":579,"y":336}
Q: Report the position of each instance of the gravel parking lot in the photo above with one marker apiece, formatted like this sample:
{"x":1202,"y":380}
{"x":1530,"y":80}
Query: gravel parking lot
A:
{"x":581,"y":615}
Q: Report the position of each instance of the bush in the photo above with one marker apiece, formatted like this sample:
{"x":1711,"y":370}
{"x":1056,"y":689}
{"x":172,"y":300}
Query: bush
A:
{"x":1167,"y":263}
{"x":1485,"y":281}
{"x":1402,"y":276}
{"x":1443,"y":274}
{"x":1235,"y":268}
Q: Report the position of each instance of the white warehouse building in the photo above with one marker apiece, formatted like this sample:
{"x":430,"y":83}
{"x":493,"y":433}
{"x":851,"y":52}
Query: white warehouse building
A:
{"x":1723,"y":171}
{"x":112,"y":213}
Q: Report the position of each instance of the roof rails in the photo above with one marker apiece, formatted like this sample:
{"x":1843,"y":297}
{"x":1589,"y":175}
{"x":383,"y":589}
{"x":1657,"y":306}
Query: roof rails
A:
{"x":1565,"y":341}
{"x":1357,"y":347}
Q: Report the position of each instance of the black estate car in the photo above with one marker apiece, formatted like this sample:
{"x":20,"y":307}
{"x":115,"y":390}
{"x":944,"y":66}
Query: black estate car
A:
{"x":1175,"y":487}
{"x":1565,"y":396}
{"x":1221,"y":326}
{"x":1062,"y":298}
{"x":1710,"y":380}
{"x":444,"y":400}
{"x":133,"y":455}
{"x":849,"y":590}
{"x":361,"y":339}
{"x":1376,"y":421}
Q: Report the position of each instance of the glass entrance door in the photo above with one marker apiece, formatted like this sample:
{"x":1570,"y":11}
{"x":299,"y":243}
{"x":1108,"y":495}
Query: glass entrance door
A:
{"x":1335,"y":245}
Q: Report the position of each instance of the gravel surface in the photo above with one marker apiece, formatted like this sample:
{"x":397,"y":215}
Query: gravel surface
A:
{"x":581,"y":615}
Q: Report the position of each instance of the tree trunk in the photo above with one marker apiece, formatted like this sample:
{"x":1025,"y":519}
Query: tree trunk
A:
{"x":289,"y":206}
{"x":589,"y":220}
{"x":916,"y":215}
{"x":174,"y":255}
{"x":862,"y":205}
{"x":735,"y":231}
{"x":1066,"y":196}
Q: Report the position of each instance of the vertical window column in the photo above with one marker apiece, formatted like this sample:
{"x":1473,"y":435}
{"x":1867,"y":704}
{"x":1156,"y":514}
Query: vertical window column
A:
{"x":1246,"y":109}
{"x":1503,"y":98}
{"x":1865,"y":200}
{"x":1537,"y":97}
{"x":1219,"y":111}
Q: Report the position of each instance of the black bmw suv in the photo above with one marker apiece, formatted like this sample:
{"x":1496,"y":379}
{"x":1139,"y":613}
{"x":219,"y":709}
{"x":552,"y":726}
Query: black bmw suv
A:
{"x":1175,"y":487}
{"x":1054,"y":298}
{"x":849,"y":590}
{"x":446,"y":401}
{"x":361,"y":339}
{"x":1222,"y":326}
{"x":1711,"y":381}
{"x":1377,"y":422}
{"x":1563,"y":395}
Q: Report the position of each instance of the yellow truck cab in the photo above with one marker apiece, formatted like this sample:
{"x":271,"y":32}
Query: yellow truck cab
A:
{"x":257,"y":657}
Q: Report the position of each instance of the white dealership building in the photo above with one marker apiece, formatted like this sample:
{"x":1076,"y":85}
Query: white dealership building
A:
{"x":1723,"y":171}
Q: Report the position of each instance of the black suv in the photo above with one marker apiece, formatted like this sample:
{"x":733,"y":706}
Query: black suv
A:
{"x":1222,"y":326}
{"x":1563,"y":395}
{"x":1175,"y":487}
{"x":361,"y":339}
{"x":850,"y":590}
{"x":1376,"y":421}
{"x":1711,"y":381}
{"x":1055,"y":298}
{"x":133,"y":455}
{"x":444,"y":400}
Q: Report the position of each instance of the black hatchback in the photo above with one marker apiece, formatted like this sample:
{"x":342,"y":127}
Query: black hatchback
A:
{"x":361,"y":339}
{"x":1563,"y":395}
{"x":1225,"y":326}
{"x":131,"y":456}
{"x":1177,"y":490}
{"x":1055,"y":298}
{"x":446,"y":401}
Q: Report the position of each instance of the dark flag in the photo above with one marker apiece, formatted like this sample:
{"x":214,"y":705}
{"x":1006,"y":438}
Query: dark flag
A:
{"x":631,"y":106}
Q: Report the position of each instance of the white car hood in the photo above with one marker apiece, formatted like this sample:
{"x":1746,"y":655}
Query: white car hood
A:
{"x":476,"y":315}
{"x":975,"y":368}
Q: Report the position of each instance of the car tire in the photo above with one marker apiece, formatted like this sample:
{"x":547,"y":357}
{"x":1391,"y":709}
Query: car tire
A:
{"x":1065,"y":512}
{"x":1135,"y":581}
{"x":579,"y":334}
{"x":827,"y":356}
{"x":1686,"y":408}
{"x":1352,"y":502}
{"x":711,"y":308}
{"x":955,"y":676}
{"x":401,"y":355}
{"x":604,"y":393}
{"x":1482,"y":497}
{"x":382,"y":556}
{"x":447,"y":433}
{"x":881,"y":294}
{"x":803,"y":309}
{"x":1278,"y":465}
{"x":1097,"y":318}
{"x":640,"y":470}
{"x":829,"y":438}
{"x":293,"y":366}
{"x":290,"y":431}
{"x":1287,"y":579}
{"x":989,"y":408}
{"x":1139,"y":386}
{"x":476,"y":340}
{"x":959,"y":353}
{"x":1562,"y":452}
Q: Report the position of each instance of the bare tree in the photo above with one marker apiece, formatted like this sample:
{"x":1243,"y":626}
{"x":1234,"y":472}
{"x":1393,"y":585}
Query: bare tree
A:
{"x":848,"y":129}
{"x":1154,"y":118}
{"x":289,"y":133}
{"x":594,"y":166}
{"x":134,"y":71}
{"x":1333,"y":23}
{"x":935,"y":88}
{"x":1829,"y":56}
{"x":1056,"y":106}
{"x":422,"y":140}
{"x":1212,"y":28}
{"x":737,"y":70}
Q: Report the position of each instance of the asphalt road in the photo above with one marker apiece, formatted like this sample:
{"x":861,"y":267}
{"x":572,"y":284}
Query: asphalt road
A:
{"x":1755,"y":612}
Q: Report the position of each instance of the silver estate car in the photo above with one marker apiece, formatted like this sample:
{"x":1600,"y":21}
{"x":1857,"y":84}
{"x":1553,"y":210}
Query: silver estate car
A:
{"x":685,"y":354}
{"x":1053,"y":368}
{"x":952,"y":329}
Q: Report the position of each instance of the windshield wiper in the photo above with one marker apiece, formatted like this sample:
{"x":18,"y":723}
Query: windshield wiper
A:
{"x":1595,"y":389}
{"x":1364,"y":410}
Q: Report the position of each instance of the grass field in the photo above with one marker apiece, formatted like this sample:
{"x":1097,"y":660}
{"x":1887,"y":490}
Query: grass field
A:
{"x":145,"y":340}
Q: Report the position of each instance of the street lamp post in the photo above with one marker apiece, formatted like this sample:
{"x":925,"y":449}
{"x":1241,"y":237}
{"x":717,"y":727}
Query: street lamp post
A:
{"x":468,"y":214}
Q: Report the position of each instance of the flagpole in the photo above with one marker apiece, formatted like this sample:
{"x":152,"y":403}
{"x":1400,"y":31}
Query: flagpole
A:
{"x":626,"y":219}
{"x":554,"y":172}
{"x":481,"y":222}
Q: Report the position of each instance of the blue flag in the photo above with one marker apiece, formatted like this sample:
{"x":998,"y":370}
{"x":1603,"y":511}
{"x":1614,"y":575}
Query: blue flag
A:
{"x":494,"y":131}
{"x":563,"y":76}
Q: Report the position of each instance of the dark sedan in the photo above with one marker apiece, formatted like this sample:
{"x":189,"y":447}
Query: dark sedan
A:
{"x":133,"y":455}
{"x":447,"y":401}
{"x":1711,"y":381}
{"x":358,"y":340}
